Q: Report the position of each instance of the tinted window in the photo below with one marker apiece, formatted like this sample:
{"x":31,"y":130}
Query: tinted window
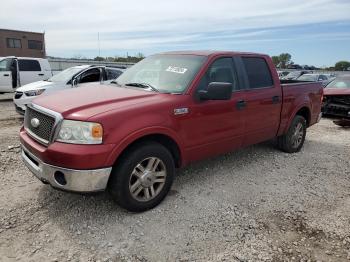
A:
{"x":13,"y":43}
{"x":322,"y":77}
{"x":34,"y":44}
{"x":92,"y":75}
{"x":29,"y":65}
{"x":221,"y":70}
{"x":258,"y":72}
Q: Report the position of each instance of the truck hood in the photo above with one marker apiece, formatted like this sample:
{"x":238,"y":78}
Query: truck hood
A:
{"x":39,"y":85}
{"x":83,"y":103}
{"x":336,"y":91}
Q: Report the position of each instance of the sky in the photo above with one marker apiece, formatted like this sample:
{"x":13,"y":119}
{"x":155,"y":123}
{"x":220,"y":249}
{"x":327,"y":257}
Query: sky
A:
{"x":314,"y":32}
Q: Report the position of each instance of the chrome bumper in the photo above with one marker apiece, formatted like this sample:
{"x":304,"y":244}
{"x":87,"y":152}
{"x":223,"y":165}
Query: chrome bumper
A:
{"x":64,"y":178}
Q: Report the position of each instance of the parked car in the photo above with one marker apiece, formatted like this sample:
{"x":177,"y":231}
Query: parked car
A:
{"x":282,"y":73}
{"x":68,"y":78}
{"x":128,"y":137}
{"x":336,"y":101}
{"x":294,"y":66}
{"x":294,"y":75}
{"x":19,"y":71}
{"x":314,"y":78}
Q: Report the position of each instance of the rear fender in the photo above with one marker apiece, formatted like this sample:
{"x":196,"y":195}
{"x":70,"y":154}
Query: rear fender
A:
{"x":285,"y":129}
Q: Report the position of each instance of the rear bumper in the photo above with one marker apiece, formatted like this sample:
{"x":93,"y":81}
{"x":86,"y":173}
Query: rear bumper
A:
{"x":75,"y":180}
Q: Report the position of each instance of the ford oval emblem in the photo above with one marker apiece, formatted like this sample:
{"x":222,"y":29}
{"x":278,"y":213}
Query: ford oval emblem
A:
{"x":35,"y":122}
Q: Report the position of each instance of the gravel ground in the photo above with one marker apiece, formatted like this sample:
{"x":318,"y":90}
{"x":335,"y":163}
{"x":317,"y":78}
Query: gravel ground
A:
{"x":256,"y":204}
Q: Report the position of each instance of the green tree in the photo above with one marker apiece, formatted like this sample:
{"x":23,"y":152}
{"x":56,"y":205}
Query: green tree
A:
{"x":285,"y":60}
{"x":275,"y":60}
{"x":99,"y":58}
{"x":342,"y":66}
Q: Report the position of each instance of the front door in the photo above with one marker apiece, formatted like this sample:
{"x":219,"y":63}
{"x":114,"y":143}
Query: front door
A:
{"x":216,"y":126}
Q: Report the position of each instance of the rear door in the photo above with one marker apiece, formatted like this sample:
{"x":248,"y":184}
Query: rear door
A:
{"x":30,"y":71}
{"x":5,"y":75}
{"x":215,"y":126}
{"x":263,"y":101}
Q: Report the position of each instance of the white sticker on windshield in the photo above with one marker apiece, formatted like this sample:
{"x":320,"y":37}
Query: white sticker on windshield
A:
{"x":175,"y":69}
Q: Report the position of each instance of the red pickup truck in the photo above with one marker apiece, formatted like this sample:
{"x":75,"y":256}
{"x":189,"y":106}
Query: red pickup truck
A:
{"x":166,"y":111}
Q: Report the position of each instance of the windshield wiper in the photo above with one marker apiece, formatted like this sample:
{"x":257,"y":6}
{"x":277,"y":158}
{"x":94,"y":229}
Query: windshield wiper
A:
{"x":143,"y":85}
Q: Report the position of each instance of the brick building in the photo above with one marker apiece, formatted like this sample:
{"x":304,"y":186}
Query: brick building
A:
{"x":22,"y":43}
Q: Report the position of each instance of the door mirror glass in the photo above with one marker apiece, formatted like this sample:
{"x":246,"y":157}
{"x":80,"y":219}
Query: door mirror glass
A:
{"x":216,"y":91}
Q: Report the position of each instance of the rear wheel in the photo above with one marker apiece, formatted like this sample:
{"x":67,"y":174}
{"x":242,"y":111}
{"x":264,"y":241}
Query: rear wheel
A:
{"x":293,"y":140}
{"x":142,"y":177}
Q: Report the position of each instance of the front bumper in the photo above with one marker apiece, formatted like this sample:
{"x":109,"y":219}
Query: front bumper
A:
{"x":91,"y":180}
{"x":22,"y":102}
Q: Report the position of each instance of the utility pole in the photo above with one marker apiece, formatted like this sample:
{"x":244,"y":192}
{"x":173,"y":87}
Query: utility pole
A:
{"x":98,"y":40}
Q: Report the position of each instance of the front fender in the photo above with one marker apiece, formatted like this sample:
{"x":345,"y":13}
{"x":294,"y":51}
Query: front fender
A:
{"x":132,"y":137}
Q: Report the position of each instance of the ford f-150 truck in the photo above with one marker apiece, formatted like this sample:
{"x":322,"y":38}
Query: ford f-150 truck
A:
{"x":163,"y":113}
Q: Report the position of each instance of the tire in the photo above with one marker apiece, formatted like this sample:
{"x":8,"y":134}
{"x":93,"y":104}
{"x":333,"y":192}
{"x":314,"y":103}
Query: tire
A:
{"x":139,"y":170}
{"x":287,"y":142}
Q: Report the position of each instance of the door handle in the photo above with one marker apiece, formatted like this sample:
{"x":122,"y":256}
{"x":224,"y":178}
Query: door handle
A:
{"x":275,"y":99}
{"x":6,"y":75}
{"x":40,"y":74}
{"x":241,"y":104}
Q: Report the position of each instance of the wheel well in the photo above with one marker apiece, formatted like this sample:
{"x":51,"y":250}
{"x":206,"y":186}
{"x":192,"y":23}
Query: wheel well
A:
{"x":305,"y":112}
{"x":164,"y":140}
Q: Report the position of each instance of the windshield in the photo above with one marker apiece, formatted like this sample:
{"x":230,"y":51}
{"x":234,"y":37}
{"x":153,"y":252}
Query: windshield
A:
{"x":164,"y":73}
{"x":65,"y":75}
{"x":308,"y":78}
{"x":339,"y":83}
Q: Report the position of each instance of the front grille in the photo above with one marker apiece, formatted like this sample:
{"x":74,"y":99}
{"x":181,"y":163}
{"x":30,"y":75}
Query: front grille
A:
{"x":18,"y":95}
{"x":345,"y":99}
{"x":43,"y":131}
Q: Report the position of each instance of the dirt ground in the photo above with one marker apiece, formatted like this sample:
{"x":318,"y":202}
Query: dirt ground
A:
{"x":256,"y":204}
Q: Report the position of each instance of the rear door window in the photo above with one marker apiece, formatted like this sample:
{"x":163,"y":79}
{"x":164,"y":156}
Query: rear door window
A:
{"x":28,"y":65}
{"x":258,"y":72}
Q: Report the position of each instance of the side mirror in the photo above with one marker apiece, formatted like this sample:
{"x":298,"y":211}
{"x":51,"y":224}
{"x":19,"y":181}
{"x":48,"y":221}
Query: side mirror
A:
{"x":74,"y":82}
{"x":216,"y":91}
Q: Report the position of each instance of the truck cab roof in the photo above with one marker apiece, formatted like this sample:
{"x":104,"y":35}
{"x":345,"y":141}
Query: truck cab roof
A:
{"x":209,"y":53}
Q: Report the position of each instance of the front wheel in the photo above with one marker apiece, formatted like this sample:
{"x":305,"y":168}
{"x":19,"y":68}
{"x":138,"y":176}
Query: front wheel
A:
{"x":293,"y":140}
{"x":142,"y":177}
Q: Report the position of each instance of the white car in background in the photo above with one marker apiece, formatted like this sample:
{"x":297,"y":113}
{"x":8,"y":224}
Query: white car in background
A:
{"x":19,"y":71}
{"x":68,"y":78}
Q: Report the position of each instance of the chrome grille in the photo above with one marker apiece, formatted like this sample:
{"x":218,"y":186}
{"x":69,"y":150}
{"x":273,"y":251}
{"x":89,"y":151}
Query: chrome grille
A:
{"x":43,"y":131}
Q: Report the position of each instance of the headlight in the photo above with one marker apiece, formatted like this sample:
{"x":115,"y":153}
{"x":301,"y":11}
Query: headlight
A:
{"x":34,"y":92}
{"x":78,"y":132}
